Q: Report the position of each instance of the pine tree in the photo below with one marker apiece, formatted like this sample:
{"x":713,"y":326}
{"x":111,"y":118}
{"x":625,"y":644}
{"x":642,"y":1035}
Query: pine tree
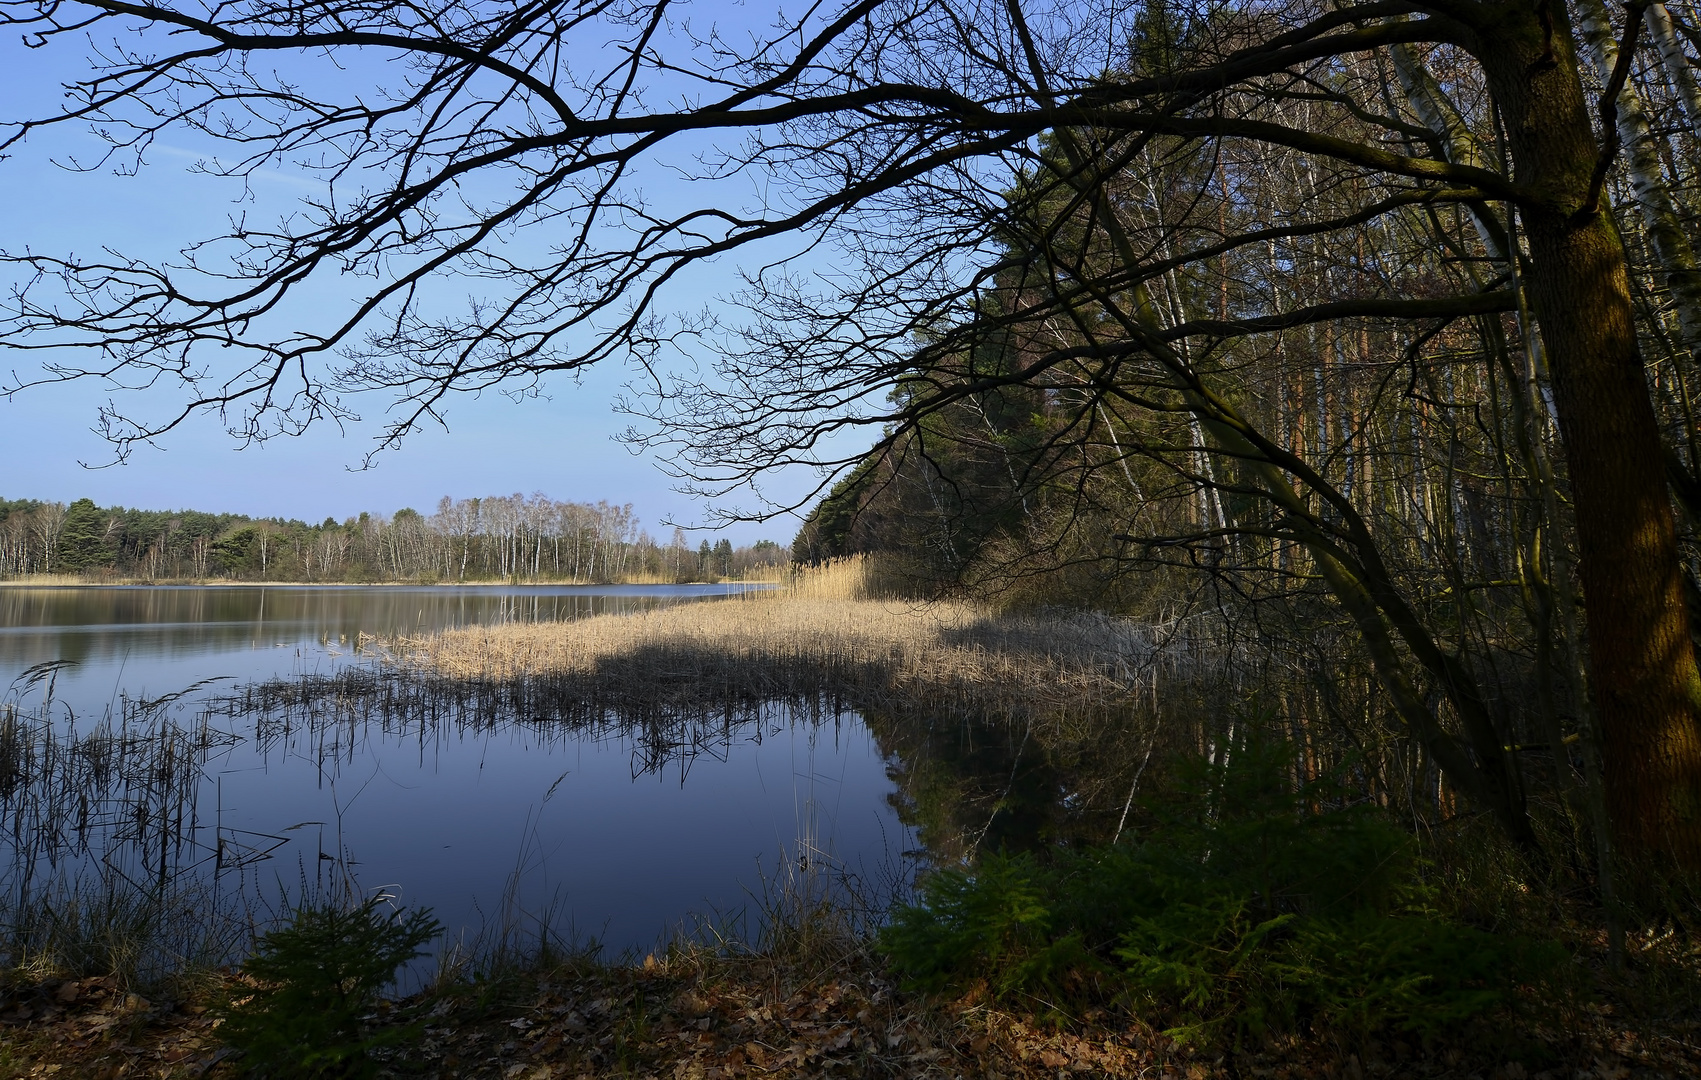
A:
{"x":82,"y":541}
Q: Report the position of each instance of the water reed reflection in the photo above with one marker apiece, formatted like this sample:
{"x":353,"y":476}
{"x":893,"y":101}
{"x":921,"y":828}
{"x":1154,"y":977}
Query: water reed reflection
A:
{"x":241,"y":795}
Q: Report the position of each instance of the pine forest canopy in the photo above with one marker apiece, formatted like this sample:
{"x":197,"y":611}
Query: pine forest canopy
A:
{"x":499,"y":537}
{"x":1391,"y":305}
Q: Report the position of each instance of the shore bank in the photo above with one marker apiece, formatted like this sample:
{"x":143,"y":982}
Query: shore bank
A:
{"x":692,"y":1015}
{"x":820,"y":1003}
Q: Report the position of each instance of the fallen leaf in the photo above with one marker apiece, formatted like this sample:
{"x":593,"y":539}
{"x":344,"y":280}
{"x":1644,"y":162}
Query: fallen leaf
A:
{"x":691,"y":1004}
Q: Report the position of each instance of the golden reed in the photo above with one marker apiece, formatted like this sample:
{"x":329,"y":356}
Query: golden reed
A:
{"x":827,"y":630}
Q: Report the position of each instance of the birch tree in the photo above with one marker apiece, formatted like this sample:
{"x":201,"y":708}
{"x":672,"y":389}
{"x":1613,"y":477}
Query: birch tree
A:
{"x":889,"y":132}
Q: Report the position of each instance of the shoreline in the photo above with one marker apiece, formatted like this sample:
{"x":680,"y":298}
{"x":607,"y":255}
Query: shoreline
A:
{"x":818,"y":1003}
{"x":808,"y":992}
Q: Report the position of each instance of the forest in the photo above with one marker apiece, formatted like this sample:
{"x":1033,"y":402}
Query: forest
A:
{"x":496,"y":538}
{"x":1220,"y":378}
{"x":1349,"y":351}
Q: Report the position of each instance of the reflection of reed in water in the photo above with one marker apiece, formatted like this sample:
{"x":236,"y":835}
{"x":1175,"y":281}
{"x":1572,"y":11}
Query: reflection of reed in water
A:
{"x":1002,"y":730}
{"x":943,"y":658}
{"x":336,"y":712}
{"x":989,"y":718}
{"x":120,"y":808}
{"x":126,"y":791}
{"x":102,"y":833}
{"x":113,"y":838}
{"x":680,"y":681}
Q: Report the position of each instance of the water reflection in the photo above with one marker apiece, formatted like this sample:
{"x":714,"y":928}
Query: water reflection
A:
{"x":624,"y":831}
{"x":624,"y":798}
{"x":968,"y":784}
{"x":96,"y":624}
{"x":624,"y":826}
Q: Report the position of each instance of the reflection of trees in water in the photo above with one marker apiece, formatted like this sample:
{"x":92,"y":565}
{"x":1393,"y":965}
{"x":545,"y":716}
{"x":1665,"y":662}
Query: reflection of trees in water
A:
{"x":82,"y":624}
{"x":974,"y":784}
{"x":965,"y":785}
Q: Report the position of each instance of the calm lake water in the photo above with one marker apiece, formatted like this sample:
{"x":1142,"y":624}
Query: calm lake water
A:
{"x":457,"y":818}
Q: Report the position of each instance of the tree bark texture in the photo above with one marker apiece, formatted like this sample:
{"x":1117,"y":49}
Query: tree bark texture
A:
{"x":1643,"y":670}
{"x":1647,"y":178}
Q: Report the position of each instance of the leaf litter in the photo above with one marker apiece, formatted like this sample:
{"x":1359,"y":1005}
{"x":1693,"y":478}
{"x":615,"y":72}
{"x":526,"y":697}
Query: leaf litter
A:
{"x":694,"y":1017}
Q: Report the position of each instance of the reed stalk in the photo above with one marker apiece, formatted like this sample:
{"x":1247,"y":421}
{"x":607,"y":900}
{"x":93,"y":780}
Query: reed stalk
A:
{"x":828,"y":634}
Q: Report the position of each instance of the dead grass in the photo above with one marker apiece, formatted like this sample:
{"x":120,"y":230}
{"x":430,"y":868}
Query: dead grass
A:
{"x":821,"y":635}
{"x":682,"y":678}
{"x":38,"y":581}
{"x":693,"y":1014}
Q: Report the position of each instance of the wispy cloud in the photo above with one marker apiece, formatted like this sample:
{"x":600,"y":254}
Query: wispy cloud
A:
{"x":295,"y":180}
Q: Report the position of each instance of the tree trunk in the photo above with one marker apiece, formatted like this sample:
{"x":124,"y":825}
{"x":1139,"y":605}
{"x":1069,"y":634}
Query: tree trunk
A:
{"x":1674,"y":61}
{"x":1643,"y":670}
{"x":1647,"y":179}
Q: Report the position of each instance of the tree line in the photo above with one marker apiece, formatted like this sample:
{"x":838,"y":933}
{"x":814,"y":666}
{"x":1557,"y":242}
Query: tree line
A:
{"x":1367,"y":330}
{"x":496,"y":538}
{"x":1378,"y":483}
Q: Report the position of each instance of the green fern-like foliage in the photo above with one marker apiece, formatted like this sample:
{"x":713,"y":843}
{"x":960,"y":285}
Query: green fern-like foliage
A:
{"x":1251,"y":904}
{"x":314,"y":981}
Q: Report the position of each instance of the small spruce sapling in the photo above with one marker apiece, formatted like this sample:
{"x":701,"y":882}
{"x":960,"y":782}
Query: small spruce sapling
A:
{"x":315,"y":980}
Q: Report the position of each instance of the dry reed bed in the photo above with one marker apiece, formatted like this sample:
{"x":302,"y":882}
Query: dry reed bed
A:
{"x":684,"y":676}
{"x":944,"y":656}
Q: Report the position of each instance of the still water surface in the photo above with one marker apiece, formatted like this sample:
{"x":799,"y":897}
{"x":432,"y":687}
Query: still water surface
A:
{"x":452,"y":817}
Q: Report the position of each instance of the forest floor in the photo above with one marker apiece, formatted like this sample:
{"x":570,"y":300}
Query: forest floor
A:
{"x":691,"y":1017}
{"x":829,"y":1009}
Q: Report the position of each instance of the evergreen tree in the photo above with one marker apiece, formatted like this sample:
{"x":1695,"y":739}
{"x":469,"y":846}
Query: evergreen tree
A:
{"x":82,"y":541}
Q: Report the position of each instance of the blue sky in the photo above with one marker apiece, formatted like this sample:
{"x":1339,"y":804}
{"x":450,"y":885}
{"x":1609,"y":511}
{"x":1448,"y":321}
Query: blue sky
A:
{"x":563,"y":444}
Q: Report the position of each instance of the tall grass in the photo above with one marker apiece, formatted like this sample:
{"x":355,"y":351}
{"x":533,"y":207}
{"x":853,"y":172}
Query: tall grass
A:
{"x":856,"y":577}
{"x":39,"y":580}
{"x":836,"y":631}
{"x":102,"y":923}
{"x":100,"y":836}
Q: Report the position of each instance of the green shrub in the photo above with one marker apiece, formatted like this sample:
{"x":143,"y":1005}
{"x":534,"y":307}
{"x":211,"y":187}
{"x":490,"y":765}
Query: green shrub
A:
{"x":996,"y":921}
{"x":1251,"y":904}
{"x":315,"y":980}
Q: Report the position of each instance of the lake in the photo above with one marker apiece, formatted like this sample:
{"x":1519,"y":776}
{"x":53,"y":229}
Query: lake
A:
{"x":475,"y":821}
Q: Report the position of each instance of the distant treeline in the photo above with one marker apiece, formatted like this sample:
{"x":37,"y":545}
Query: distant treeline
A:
{"x":502,"y":537}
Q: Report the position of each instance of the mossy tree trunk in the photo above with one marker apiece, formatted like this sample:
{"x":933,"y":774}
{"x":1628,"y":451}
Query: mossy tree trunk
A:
{"x":1643,"y":671}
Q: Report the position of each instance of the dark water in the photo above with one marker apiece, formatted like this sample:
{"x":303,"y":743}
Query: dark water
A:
{"x":475,"y":821}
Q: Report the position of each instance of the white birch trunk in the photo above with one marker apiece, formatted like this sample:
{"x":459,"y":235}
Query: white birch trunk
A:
{"x":1647,"y":180}
{"x":1675,"y":62}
